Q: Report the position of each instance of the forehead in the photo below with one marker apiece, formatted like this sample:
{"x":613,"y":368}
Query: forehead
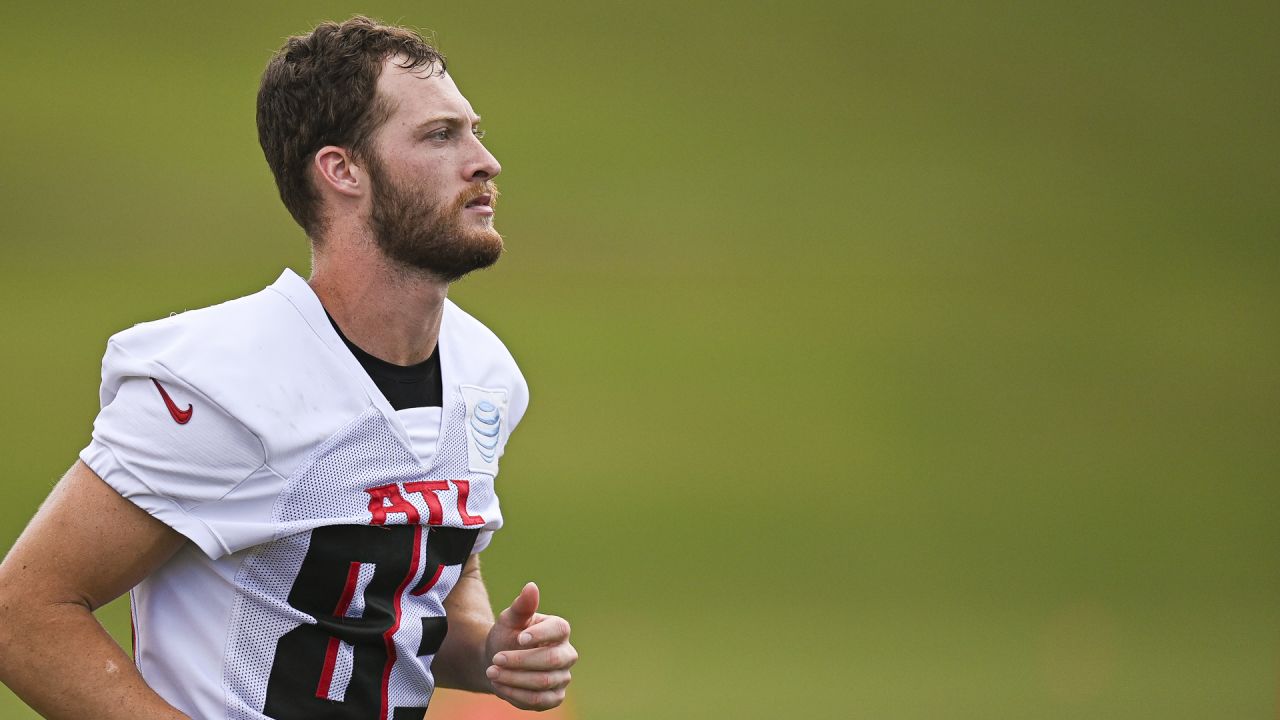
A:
{"x":418,"y":94}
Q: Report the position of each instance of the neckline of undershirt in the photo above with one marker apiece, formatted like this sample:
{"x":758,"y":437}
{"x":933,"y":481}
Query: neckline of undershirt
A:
{"x":399,"y":376}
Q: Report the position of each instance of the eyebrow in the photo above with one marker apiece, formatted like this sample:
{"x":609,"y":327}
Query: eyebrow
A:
{"x":453,"y":120}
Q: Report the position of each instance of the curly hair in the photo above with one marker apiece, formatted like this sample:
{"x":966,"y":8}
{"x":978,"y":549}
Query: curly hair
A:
{"x":320,"y":89}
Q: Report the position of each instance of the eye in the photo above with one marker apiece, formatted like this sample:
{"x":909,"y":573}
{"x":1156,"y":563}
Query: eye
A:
{"x":478,"y":132}
{"x":441,"y":134}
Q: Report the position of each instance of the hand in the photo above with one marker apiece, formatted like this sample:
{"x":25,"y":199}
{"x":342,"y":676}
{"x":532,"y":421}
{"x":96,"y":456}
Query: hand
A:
{"x":531,"y":654}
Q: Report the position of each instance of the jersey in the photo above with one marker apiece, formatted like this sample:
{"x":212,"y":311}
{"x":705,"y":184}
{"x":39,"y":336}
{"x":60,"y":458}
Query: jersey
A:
{"x":326,"y":528}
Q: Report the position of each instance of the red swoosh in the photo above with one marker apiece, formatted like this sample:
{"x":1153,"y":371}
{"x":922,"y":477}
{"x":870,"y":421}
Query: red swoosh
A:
{"x":179,"y":416}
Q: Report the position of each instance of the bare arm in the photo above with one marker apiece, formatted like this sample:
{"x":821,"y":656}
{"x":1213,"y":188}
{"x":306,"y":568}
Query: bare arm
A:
{"x":460,"y":663}
{"x":85,"y":546}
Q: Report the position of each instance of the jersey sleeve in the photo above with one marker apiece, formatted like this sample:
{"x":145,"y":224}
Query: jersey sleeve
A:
{"x":166,"y":447}
{"x":519,"y":402}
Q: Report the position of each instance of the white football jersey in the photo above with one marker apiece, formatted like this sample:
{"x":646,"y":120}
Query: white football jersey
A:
{"x":326,"y":528}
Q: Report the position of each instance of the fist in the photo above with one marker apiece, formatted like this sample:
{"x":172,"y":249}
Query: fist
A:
{"x":531,"y":654}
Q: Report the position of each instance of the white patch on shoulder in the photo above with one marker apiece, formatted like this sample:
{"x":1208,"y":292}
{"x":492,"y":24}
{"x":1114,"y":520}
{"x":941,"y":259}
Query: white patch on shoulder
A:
{"x":486,"y":420}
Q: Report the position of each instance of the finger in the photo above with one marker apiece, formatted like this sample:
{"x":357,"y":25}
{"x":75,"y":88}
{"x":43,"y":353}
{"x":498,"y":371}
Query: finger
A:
{"x":529,"y":680}
{"x":551,"y":657}
{"x":545,"y":630}
{"x":530,"y":699}
{"x":522,"y":609}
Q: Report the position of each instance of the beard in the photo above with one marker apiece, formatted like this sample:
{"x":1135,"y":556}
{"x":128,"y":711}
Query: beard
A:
{"x":437,"y":239}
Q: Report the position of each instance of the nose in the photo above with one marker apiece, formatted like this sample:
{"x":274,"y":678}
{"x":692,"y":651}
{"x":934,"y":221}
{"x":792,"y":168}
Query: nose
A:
{"x":484,"y":166}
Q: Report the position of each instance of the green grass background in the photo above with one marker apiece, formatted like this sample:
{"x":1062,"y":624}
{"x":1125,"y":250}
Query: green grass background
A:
{"x":888,"y":360}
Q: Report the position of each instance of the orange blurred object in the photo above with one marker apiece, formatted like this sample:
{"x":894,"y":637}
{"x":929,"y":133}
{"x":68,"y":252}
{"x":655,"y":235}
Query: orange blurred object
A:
{"x":459,"y":705}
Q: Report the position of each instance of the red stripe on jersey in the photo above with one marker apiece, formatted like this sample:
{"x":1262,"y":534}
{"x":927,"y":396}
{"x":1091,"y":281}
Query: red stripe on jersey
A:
{"x":389,"y":636}
{"x":426,"y":587}
{"x":326,"y":673}
{"x":331,"y":653}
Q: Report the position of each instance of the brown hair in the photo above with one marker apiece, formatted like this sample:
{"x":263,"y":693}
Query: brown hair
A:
{"x":318,"y":90}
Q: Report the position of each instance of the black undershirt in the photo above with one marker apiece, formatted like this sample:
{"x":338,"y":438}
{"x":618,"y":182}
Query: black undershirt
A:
{"x":404,"y":386}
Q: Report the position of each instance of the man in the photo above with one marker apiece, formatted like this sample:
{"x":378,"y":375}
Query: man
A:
{"x":298,"y":482}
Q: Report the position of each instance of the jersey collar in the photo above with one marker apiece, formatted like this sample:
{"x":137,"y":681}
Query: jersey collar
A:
{"x":304,"y":299}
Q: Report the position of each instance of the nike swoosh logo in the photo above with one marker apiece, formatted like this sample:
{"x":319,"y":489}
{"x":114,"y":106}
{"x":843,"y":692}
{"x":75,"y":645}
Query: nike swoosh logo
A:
{"x":179,"y":416}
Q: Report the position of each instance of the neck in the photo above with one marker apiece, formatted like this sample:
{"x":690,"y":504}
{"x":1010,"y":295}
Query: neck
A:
{"x":390,"y":312}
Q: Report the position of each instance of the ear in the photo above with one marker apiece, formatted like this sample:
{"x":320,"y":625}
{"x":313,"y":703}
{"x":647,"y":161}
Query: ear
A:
{"x":338,"y":171}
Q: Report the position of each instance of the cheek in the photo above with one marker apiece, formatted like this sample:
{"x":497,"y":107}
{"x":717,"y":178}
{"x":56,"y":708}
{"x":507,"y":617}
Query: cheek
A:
{"x":428,"y":175}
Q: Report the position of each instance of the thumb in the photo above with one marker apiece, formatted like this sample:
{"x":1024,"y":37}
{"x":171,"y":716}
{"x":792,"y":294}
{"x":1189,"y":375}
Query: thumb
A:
{"x":522,"y":608}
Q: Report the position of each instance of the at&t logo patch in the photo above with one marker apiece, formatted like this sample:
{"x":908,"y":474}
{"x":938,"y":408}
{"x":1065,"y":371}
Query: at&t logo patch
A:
{"x":486,"y":415}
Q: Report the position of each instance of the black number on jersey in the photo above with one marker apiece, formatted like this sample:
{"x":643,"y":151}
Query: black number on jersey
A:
{"x":323,"y":588}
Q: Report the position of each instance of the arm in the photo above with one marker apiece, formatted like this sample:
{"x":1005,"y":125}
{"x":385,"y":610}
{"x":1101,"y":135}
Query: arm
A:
{"x":523,"y":657}
{"x":461,"y":661}
{"x":85,"y":546}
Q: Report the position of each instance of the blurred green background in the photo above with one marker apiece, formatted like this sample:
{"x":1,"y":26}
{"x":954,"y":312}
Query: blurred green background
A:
{"x":888,"y":360}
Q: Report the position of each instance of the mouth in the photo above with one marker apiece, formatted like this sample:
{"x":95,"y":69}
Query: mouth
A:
{"x":482,"y":204}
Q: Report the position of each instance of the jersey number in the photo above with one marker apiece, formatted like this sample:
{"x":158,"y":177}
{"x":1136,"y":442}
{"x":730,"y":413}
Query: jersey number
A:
{"x":303,"y":671}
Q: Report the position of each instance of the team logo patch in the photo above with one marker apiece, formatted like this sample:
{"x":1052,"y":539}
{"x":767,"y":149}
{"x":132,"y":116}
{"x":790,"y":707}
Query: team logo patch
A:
{"x":486,"y":415}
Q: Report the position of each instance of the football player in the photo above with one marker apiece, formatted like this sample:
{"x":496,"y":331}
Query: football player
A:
{"x":295,"y":486}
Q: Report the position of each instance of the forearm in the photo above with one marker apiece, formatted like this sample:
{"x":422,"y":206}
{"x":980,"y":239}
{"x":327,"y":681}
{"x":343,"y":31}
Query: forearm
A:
{"x":54,"y":653}
{"x":62,"y":663}
{"x":462,"y":659}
